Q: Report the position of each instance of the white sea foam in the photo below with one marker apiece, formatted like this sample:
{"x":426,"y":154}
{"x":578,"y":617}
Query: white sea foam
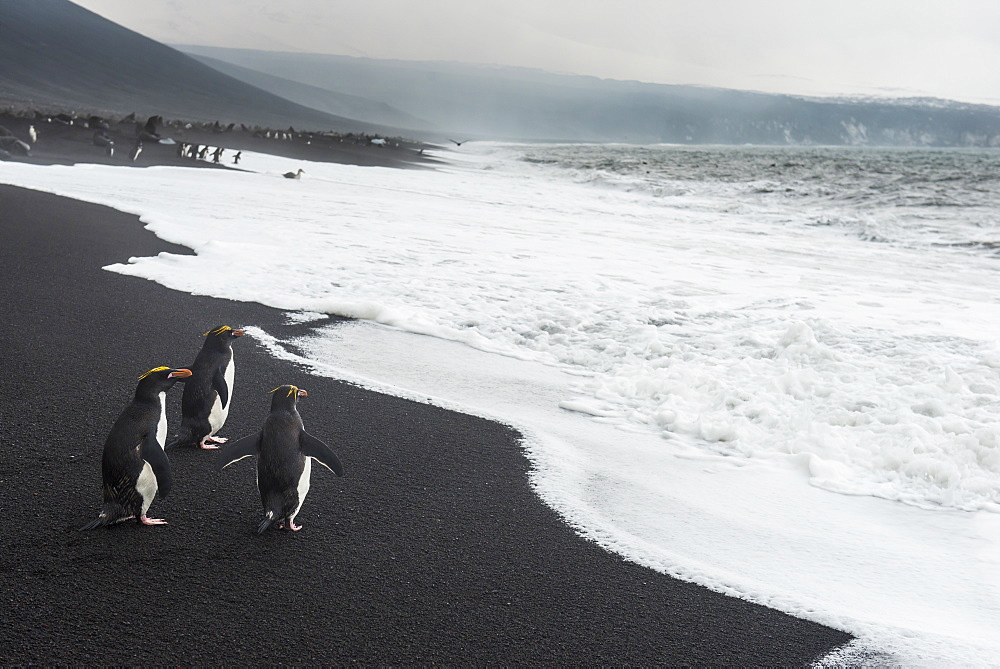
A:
{"x":762,"y":324}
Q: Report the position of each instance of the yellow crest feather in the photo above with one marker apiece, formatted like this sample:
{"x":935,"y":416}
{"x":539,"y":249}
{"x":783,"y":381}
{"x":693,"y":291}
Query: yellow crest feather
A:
{"x":152,"y":371}
{"x":218,"y":330}
{"x":291,"y":390}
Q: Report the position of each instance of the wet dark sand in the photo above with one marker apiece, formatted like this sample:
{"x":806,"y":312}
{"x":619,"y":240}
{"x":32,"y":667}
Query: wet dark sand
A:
{"x":432,"y":549}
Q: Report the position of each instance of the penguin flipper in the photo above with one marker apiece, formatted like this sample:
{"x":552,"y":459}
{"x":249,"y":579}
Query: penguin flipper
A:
{"x":157,"y":459}
{"x":221,"y":387}
{"x":314,"y":448}
{"x":242,"y":448}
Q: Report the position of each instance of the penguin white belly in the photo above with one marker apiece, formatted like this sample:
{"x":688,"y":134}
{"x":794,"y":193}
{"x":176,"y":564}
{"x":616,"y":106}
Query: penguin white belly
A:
{"x":146,"y":486}
{"x":302,"y":488}
{"x":161,"y":427}
{"x":219,"y":413}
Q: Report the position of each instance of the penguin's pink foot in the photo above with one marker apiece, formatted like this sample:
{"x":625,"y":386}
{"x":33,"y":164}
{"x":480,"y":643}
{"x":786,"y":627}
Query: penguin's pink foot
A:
{"x":293,"y":527}
{"x":151,"y":521}
{"x":211,"y":443}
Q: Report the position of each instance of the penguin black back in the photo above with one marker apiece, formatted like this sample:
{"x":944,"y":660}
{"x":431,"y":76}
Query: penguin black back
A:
{"x":284,"y":453}
{"x":280,"y":463}
{"x":134,"y":467}
{"x":208,"y":393}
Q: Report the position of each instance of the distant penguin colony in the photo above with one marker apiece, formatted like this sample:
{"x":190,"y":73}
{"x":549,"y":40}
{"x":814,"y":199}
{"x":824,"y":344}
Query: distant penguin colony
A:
{"x":135,"y":468}
{"x":284,"y":452}
{"x":209,"y":392}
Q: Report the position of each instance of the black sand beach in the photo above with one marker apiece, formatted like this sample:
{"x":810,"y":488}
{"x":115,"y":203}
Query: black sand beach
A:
{"x":62,"y":144}
{"x":432,"y":549}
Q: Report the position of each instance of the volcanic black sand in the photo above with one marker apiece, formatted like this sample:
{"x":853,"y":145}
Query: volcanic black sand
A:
{"x":67,"y":144}
{"x":432,"y":549}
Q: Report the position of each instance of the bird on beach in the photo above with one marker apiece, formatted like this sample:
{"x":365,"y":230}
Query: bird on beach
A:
{"x":102,"y":139}
{"x":136,"y":150}
{"x":295,"y":175}
{"x":208,"y":394}
{"x":285,"y":452}
{"x":236,"y":158}
{"x":134,"y":467}
{"x":33,"y":134}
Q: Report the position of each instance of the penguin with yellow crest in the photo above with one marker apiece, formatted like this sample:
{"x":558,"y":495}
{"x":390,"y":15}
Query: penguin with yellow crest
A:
{"x":285,"y":452}
{"x":208,"y":394}
{"x":134,"y":467}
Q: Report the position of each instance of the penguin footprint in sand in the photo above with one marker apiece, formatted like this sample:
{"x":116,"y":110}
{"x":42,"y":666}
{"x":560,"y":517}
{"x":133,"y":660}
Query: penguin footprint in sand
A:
{"x":209,"y":392}
{"x":285,"y":452}
{"x":134,"y":467}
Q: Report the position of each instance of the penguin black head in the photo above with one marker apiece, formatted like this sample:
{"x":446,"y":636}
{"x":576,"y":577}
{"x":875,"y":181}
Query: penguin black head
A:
{"x":161,"y":379}
{"x":224,"y":332}
{"x":285,"y":397}
{"x":222,"y":335}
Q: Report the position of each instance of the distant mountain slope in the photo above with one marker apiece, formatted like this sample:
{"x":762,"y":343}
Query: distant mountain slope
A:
{"x":518,"y":103}
{"x":56,"y":53}
{"x":332,"y":102}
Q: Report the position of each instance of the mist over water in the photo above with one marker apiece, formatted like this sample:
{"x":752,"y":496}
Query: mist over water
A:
{"x":774,"y":371}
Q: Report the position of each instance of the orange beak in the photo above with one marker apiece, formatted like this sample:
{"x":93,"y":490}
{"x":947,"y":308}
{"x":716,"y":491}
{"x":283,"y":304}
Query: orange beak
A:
{"x":179,"y":374}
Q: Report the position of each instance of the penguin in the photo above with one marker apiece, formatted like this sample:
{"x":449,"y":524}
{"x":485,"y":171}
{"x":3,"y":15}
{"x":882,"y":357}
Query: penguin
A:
{"x":294,"y":175}
{"x":33,"y":134}
{"x":134,"y":467}
{"x":208,"y":394}
{"x":236,"y":158}
{"x":101,"y":138}
{"x":285,"y":452}
{"x":136,"y":150}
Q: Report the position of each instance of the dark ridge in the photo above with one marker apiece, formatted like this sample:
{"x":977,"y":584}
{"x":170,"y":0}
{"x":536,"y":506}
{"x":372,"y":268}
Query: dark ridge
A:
{"x":495,"y":102}
{"x":58,"y":54}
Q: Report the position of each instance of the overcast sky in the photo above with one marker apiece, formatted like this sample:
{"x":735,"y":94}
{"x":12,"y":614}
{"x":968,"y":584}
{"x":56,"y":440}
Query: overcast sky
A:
{"x":940,"y":48}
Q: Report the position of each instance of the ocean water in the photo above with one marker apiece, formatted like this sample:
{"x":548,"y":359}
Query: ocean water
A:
{"x":772,"y":371}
